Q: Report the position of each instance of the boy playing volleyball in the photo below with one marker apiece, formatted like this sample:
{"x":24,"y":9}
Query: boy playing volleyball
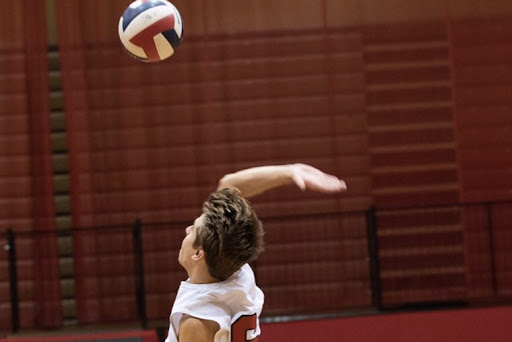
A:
{"x":220,"y":301}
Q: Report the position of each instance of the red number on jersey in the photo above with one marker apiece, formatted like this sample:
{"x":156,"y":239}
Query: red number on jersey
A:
{"x":240,"y":327}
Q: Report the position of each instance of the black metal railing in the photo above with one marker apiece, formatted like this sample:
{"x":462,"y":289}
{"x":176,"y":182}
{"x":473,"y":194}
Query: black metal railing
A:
{"x":140,"y":287}
{"x":487,"y":213}
{"x":373,"y":254}
{"x":10,"y":247}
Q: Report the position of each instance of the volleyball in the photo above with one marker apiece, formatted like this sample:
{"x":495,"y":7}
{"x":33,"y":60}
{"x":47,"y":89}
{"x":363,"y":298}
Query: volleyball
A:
{"x":151,"y":30}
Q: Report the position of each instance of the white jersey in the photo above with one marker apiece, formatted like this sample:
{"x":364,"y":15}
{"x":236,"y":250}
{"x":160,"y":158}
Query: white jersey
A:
{"x":235,"y":304}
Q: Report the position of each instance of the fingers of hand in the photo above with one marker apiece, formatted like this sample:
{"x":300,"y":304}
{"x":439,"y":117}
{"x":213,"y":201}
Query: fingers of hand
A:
{"x":307,"y":176}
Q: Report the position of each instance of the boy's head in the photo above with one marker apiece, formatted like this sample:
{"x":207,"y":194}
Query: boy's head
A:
{"x":228,"y":231}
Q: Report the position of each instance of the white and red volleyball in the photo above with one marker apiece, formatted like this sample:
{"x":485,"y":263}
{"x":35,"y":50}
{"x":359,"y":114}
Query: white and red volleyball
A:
{"x":151,"y":30}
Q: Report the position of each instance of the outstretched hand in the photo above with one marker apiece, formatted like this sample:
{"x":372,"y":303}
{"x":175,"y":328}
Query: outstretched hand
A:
{"x":310,"y":178}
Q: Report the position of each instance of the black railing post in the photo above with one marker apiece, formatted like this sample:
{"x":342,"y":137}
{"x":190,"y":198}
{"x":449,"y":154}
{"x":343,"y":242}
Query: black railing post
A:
{"x":140,"y":287}
{"x":10,"y":247}
{"x":492,"y":258}
{"x":373,"y":252}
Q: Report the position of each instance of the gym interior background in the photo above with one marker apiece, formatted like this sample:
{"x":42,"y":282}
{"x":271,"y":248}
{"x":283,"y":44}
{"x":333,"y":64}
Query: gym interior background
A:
{"x":105,"y":160}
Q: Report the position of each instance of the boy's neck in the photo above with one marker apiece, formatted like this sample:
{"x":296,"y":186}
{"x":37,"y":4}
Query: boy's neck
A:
{"x":201,"y":276}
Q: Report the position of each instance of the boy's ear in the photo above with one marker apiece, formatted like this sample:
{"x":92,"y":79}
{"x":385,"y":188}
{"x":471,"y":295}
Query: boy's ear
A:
{"x":198,"y":255}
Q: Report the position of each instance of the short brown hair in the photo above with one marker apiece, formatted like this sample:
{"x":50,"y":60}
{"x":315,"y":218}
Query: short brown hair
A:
{"x":231,"y":234}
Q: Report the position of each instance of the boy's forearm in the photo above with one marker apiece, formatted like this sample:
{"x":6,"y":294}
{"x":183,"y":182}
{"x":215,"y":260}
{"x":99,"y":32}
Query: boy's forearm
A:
{"x":256,"y":180}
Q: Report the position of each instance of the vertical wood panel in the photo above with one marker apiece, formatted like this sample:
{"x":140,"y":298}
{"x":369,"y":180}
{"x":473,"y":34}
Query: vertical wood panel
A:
{"x":412,"y":149}
{"x":483,"y":107}
{"x":26,"y":198}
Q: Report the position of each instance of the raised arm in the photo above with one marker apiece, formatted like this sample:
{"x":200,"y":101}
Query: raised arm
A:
{"x":256,"y":180}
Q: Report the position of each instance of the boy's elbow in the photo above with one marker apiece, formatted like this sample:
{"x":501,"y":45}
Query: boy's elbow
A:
{"x":225,"y":183}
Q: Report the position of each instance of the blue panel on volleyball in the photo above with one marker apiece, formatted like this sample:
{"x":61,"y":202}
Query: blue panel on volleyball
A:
{"x":172,"y":38}
{"x":131,"y":13}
